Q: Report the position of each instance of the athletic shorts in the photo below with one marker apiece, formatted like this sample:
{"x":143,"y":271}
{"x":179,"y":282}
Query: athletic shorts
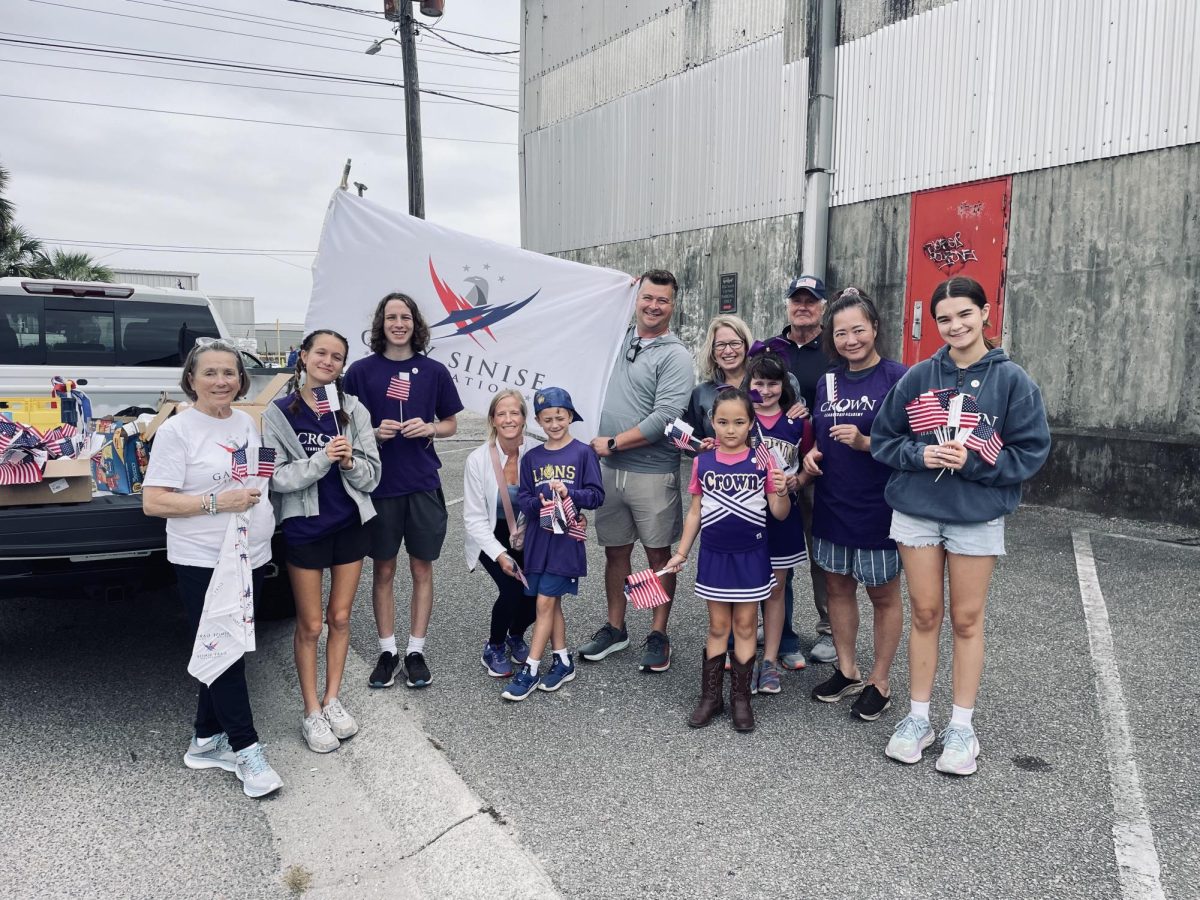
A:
{"x":639,"y":506}
{"x":418,"y":521}
{"x":964,"y":539}
{"x":871,"y":568}
{"x":346,"y":545}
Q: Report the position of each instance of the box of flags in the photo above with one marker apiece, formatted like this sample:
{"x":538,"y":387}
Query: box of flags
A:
{"x":63,"y":480}
{"x":120,"y":464}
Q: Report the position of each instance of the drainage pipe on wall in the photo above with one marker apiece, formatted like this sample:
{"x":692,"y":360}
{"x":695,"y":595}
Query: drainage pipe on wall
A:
{"x":818,"y":158}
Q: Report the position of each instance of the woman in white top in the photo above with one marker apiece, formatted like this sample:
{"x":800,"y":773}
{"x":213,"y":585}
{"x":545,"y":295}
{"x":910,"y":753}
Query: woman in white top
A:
{"x":197,"y":480}
{"x":489,"y":540}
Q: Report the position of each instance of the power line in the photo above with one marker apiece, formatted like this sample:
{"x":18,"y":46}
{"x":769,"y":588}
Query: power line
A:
{"x":109,"y":50}
{"x":258,"y":87}
{"x":232,"y":15}
{"x":259,"y":37}
{"x":437,"y":34}
{"x":375,"y":14}
{"x":172,"y":112}
{"x":193,"y":248}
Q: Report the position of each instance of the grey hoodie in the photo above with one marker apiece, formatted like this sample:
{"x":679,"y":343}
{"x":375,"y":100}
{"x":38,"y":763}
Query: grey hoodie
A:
{"x":294,"y":484}
{"x":648,"y":393}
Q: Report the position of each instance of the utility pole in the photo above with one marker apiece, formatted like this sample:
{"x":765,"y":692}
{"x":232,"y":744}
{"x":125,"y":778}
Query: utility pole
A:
{"x":401,"y":12}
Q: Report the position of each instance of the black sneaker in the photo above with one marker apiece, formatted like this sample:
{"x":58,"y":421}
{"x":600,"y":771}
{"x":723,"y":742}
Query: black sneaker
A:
{"x":384,"y":673}
{"x":657,"y":657}
{"x":870,"y":704}
{"x":836,"y":687}
{"x":418,"y":672}
{"x":605,"y":641}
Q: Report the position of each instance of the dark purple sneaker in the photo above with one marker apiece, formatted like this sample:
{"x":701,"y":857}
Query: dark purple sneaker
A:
{"x":517,"y":648}
{"x":495,"y":660}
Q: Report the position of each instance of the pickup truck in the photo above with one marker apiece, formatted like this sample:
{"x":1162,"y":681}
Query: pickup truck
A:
{"x":127,"y":343}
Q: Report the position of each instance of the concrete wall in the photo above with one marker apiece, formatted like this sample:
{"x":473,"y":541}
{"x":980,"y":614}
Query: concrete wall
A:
{"x":1104,"y":312}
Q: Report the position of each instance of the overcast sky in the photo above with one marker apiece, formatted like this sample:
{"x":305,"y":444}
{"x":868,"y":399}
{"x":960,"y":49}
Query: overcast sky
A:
{"x":91,"y":173}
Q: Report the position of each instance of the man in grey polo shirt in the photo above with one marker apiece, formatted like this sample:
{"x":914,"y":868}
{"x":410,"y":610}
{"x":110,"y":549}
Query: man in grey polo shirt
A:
{"x":650,"y":386}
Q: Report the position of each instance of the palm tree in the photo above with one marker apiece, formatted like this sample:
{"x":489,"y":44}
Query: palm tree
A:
{"x":7,"y":210}
{"x":20,"y":252}
{"x":71,"y":267}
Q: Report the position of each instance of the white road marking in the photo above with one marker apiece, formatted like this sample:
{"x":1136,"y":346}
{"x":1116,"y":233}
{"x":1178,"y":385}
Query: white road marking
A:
{"x":1133,"y":840}
{"x":453,"y":502}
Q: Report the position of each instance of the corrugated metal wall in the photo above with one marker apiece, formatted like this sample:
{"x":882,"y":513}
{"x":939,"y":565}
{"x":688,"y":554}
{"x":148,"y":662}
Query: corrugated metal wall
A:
{"x":187,"y":280}
{"x":641,"y":137}
{"x":980,"y":88}
{"x":687,"y":152}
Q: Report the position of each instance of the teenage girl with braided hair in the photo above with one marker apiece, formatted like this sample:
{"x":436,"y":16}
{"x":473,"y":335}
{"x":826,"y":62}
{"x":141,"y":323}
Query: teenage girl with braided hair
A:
{"x":326,"y":466}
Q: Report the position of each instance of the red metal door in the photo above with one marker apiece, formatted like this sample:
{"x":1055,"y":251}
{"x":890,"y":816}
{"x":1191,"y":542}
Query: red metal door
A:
{"x":959,"y":230}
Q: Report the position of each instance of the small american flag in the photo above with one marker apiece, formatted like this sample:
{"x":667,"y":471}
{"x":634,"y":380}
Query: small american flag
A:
{"x":926,"y":413}
{"x":327,"y":400}
{"x":399,"y":386}
{"x":985,"y":440}
{"x":264,"y":462}
{"x":546,"y":516}
{"x":644,"y":590}
{"x":681,"y":434}
{"x":8,"y":433}
{"x":24,"y":472}
{"x":576,"y":527}
{"x":763,"y":457}
{"x":831,"y":393}
{"x":239,"y":468}
{"x":968,"y":417}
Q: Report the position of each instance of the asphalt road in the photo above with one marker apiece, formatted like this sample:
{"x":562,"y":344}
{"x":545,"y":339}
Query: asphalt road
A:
{"x":603,"y":782}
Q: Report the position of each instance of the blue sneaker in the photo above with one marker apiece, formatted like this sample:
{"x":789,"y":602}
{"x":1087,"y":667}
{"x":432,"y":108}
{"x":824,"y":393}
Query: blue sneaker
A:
{"x":517,"y":648}
{"x":522,"y":685}
{"x":909,"y":740}
{"x":495,"y":660}
{"x":558,"y":674}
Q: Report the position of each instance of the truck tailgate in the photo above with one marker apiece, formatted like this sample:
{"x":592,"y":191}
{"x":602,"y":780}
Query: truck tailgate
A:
{"x":109,"y":524}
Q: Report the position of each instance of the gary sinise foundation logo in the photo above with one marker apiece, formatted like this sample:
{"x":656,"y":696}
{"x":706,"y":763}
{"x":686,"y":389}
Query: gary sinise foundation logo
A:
{"x":471,"y":314}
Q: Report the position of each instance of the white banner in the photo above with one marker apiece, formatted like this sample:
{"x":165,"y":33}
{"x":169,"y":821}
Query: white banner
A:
{"x":499,"y":316}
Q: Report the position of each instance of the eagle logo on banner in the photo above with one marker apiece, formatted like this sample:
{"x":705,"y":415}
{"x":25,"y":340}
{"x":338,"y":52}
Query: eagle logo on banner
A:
{"x":475,"y":314}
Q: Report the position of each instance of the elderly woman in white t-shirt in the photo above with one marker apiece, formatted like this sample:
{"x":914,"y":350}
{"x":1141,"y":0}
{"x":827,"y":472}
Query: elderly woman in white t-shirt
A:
{"x":191,"y":483}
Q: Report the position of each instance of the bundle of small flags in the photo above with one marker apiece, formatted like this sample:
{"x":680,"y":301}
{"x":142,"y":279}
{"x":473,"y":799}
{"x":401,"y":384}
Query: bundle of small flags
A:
{"x":399,"y":386}
{"x":24,"y":450}
{"x":558,"y":516}
{"x":682,"y":435}
{"x":950,"y":415}
{"x":764,"y":457}
{"x":644,"y":590}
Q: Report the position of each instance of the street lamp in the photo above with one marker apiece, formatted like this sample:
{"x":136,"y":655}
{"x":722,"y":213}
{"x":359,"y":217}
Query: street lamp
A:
{"x":378,"y":45}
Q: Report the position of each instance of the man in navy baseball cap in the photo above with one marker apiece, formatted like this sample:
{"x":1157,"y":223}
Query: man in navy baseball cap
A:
{"x":810,"y":283}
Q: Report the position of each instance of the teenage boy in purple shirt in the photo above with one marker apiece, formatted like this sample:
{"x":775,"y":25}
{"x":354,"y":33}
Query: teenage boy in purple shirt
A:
{"x":410,"y":505}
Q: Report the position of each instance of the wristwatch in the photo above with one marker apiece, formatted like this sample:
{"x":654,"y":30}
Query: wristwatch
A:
{"x":612,"y":445}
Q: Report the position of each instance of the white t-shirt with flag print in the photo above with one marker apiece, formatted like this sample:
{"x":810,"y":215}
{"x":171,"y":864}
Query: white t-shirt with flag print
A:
{"x":193,"y":453}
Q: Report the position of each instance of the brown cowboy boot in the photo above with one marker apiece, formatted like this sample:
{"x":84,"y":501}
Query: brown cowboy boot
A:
{"x":741,"y":674}
{"x":712,"y":687}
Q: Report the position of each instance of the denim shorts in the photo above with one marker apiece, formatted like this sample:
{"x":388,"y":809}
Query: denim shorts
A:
{"x":870,"y":568}
{"x":550,"y":585}
{"x":963,"y":538}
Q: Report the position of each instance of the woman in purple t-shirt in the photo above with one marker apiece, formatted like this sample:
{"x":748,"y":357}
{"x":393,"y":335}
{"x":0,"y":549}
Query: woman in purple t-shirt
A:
{"x":851,"y":519}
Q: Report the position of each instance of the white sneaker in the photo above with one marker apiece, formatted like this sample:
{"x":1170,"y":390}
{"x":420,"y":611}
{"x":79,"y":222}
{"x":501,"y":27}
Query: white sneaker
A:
{"x":909,"y":740}
{"x":318,"y":735}
{"x":255,"y":773}
{"x":960,"y":747}
{"x":215,"y":754}
{"x":341,"y":723}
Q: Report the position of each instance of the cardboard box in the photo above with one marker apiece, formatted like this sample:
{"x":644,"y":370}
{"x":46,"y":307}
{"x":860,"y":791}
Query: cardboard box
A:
{"x":120,"y":466}
{"x":166,"y":409}
{"x":63,"y":481}
{"x":258,"y":405}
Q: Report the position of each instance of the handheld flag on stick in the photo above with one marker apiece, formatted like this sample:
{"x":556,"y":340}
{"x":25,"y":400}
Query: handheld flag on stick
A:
{"x":985,"y":440}
{"x":399,"y":386}
{"x":644,"y":590}
{"x":682,"y":435}
{"x":763,"y":457}
{"x":239,"y":466}
{"x":328,"y":402}
{"x":264,"y":462}
{"x":831,"y":393}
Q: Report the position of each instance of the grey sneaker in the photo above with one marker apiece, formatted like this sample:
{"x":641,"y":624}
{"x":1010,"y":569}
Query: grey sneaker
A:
{"x":960,"y":747}
{"x":823,"y":651}
{"x":341,"y":723}
{"x":657,"y":657}
{"x":216,"y":754}
{"x":606,"y":641}
{"x":318,"y":735}
{"x":909,"y":740}
{"x":255,"y":773}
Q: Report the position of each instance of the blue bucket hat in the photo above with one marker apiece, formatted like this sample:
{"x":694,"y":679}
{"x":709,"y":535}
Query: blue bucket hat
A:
{"x":554,"y":396}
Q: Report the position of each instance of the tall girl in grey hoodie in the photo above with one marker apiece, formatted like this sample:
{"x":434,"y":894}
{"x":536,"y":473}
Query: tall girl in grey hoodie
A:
{"x":949,"y":498}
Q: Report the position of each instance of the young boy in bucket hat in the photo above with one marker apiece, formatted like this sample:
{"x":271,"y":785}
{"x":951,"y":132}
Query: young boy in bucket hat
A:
{"x":555,"y":558}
